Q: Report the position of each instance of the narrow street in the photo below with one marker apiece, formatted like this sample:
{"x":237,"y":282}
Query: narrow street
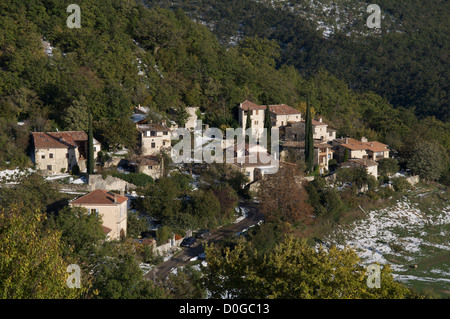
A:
{"x":162,"y":270}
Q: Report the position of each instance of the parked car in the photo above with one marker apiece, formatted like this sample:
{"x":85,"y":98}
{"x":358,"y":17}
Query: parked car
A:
{"x":204,"y":233}
{"x":188,"y":242}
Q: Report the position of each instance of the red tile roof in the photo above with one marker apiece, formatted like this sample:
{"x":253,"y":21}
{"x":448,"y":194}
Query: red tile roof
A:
{"x":373,"y":146}
{"x":248,"y":105}
{"x":153,"y":127}
{"x":58,"y":139}
{"x":101,"y":197}
{"x":283,"y":109}
{"x":280,"y":109}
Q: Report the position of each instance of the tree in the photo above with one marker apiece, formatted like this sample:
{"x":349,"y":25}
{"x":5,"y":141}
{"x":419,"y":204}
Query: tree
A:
{"x":388,"y":166}
{"x":293,"y":270}
{"x":80,"y":230}
{"x":76,"y":116}
{"x":268,"y":128}
{"x":90,"y":151}
{"x":31,"y":261}
{"x":309,"y":139}
{"x":121,"y":278}
{"x":283,"y":198}
{"x":428,"y":160}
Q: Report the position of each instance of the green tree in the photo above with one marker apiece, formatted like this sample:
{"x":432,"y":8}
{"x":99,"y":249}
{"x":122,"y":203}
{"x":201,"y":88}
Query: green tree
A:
{"x":90,"y":150}
{"x":31,"y":261}
{"x":309,"y":140}
{"x":428,"y":160}
{"x":293,"y":270}
{"x":80,"y":230}
{"x":121,"y":278}
{"x":76,"y":116}
{"x":388,"y":166}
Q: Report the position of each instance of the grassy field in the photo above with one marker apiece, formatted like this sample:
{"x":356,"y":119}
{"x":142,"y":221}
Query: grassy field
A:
{"x":412,"y":235}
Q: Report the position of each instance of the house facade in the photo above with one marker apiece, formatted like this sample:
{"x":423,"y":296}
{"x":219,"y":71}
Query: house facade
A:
{"x":370,"y":166}
{"x":111,"y":207}
{"x":280,"y":115}
{"x":59,"y":152}
{"x":150,"y":165}
{"x":154,"y":138}
{"x":321,"y":131}
{"x":295,"y":151}
{"x":360,"y":149}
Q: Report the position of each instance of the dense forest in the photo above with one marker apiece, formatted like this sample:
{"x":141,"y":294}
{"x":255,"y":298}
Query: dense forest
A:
{"x":126,"y":54}
{"x":405,"y":61}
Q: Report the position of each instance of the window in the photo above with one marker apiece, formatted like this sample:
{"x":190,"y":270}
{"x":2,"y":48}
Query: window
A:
{"x":95,"y":150}
{"x":255,"y":112}
{"x":165,"y":133}
{"x":50,"y":155}
{"x":147,"y":133}
{"x":153,"y":145}
{"x":93,"y":211}
{"x":153,"y":133}
{"x":150,"y":167}
{"x":43,"y":156}
{"x":67,"y":155}
{"x":164,"y":143}
{"x":256,"y":122}
{"x":49,"y":167}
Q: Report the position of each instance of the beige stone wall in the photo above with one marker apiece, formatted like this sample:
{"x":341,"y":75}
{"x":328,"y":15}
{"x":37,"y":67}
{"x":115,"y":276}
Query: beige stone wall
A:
{"x":53,"y":160}
{"x":283,"y":119}
{"x":190,"y":123}
{"x":113,"y":217}
{"x":153,"y":145}
{"x":154,"y":171}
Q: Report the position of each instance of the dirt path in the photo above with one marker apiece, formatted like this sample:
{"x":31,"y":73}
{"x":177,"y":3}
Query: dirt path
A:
{"x":162,"y":270}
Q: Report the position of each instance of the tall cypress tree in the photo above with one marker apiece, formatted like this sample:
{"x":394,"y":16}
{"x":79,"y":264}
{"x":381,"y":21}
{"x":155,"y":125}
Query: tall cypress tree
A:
{"x":248,"y":125}
{"x":90,"y":151}
{"x":268,"y":127}
{"x":309,"y":141}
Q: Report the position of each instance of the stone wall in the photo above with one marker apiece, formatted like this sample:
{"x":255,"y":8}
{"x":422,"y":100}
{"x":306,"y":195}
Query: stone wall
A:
{"x":109,"y":183}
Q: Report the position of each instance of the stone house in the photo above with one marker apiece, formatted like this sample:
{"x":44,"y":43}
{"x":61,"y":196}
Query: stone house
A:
{"x":360,"y":149}
{"x":111,"y":207}
{"x":295,"y":151}
{"x":280,"y":115}
{"x":56,"y":152}
{"x":370,"y":166}
{"x":150,"y":165}
{"x":154,"y":138}
{"x":321,"y":131}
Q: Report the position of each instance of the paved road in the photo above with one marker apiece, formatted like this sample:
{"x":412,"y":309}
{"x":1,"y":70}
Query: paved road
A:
{"x":162,"y":270}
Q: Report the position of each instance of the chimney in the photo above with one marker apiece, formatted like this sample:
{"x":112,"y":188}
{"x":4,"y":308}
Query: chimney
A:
{"x":364,"y":140}
{"x":115,"y":198}
{"x":320,"y":119}
{"x":346,"y":140}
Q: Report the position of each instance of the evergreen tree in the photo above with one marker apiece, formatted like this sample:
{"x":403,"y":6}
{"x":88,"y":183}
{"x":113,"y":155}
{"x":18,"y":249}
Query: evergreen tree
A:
{"x":248,"y":124}
{"x":309,"y":141}
{"x":90,"y":162}
{"x":268,"y":127}
{"x":345,"y":154}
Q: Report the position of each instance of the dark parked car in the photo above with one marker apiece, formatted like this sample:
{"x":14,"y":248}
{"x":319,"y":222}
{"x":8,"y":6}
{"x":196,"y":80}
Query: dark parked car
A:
{"x":188,"y":242}
{"x":204,"y":233}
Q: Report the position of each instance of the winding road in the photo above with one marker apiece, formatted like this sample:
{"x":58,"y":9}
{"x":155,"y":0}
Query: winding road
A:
{"x":161,"y":271}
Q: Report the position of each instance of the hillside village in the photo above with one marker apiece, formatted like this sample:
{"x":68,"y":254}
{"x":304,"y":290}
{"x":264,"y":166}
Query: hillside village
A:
{"x":56,"y":153}
{"x":117,"y":162}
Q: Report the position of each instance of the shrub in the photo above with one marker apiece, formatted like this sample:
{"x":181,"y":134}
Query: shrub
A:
{"x":138,"y":179}
{"x":400,"y":184}
{"x":76,"y":170}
